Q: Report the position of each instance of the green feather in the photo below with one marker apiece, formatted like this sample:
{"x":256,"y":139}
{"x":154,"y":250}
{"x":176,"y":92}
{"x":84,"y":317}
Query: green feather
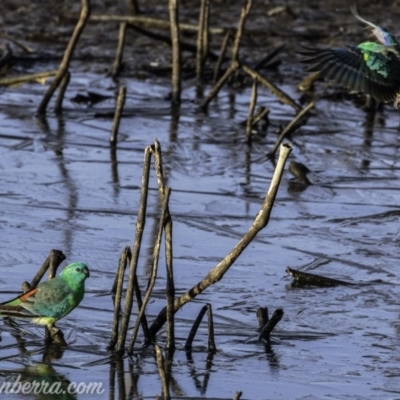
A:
{"x":372,"y":68}
{"x":375,"y":57}
{"x":51,"y":300}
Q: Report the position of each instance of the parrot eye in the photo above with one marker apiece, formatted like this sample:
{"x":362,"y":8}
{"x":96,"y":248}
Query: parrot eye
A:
{"x":78,"y":269}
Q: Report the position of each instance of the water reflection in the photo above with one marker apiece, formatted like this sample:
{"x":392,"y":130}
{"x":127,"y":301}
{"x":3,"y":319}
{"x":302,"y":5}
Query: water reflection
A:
{"x":39,"y":381}
{"x":72,"y":191}
{"x":272,"y":356}
{"x":117,"y":370}
{"x":368,"y":135}
{"x":355,"y":225}
{"x":114,"y":170}
{"x":174,"y":124}
{"x":200,"y":384}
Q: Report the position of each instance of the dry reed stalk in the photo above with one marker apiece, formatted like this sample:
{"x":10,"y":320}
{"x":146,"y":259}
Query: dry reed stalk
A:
{"x":153,"y":275}
{"x":16,"y":80}
{"x":217,"y":273}
{"x":224,"y":45}
{"x":176,"y":51}
{"x":117,"y":290}
{"x":152,"y":23}
{"x":252,"y":106}
{"x":83,"y":18}
{"x":53,"y":260}
{"x":161,"y":371}
{"x":239,"y":33}
{"x":140,"y":224}
{"x":280,"y":94}
{"x":118,"y":113}
{"x":120,"y":50}
{"x":202,"y":38}
{"x":61,"y":92}
{"x":290,"y":127}
{"x":270,"y":325}
{"x":217,"y":87}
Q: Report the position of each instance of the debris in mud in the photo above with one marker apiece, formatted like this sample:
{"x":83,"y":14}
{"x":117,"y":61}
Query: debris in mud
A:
{"x":266,"y":324}
{"x":305,"y":278}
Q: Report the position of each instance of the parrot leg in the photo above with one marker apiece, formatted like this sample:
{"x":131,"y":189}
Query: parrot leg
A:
{"x":56,"y":335}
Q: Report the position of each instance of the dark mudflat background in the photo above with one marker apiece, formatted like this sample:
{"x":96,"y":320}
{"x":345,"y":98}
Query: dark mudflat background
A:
{"x":61,"y":187}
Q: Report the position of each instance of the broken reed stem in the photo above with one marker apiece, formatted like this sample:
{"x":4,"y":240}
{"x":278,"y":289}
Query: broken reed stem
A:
{"x":83,"y":18}
{"x":217,"y":87}
{"x":170,"y":290}
{"x":260,"y":115}
{"x":176,"y":51}
{"x":270,"y":325}
{"x":133,"y":7}
{"x":206,"y":32}
{"x":117,"y":279}
{"x":195,"y":327}
{"x":153,"y":23}
{"x":143,"y":320}
{"x":170,"y":343}
{"x":54,"y":259}
{"x":6,"y":56}
{"x":308,"y":81}
{"x":290,"y":127}
{"x":118,"y":283}
{"x":19,"y":44}
{"x":202,"y":38}
{"x":161,"y":371}
{"x":243,"y":16}
{"x":117,"y":291}
{"x":217,"y":273}
{"x":268,"y":58}
{"x":238,"y":395}
{"x":123,"y":328}
{"x":120,"y":372}
{"x":140,"y":223}
{"x":156,"y":150}
{"x":118,"y":113}
{"x":61,"y":92}
{"x":252,"y":106}
{"x":111,"y":380}
{"x":15,"y":80}
{"x":153,"y":275}
{"x":222,"y":52}
{"x":262,"y":316}
{"x":212,"y":348}
{"x":120,"y":50}
{"x":281,"y":95}
{"x":167,"y":39}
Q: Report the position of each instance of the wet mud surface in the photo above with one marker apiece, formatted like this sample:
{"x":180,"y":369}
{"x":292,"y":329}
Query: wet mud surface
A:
{"x":62,"y":187}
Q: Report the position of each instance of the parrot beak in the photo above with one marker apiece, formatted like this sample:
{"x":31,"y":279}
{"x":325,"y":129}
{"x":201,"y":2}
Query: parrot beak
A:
{"x":87,"y":273}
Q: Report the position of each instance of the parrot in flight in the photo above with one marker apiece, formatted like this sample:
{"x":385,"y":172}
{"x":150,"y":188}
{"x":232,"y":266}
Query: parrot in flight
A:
{"x":372,"y":68}
{"x":50,"y":300}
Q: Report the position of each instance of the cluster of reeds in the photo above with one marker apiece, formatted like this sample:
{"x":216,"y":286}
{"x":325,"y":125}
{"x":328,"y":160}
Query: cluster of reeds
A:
{"x":173,"y":304}
{"x":130,"y":255}
{"x":202,"y":53}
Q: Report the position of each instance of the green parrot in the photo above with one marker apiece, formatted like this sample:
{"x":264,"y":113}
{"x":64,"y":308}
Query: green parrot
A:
{"x":372,"y":68}
{"x":50,"y":300}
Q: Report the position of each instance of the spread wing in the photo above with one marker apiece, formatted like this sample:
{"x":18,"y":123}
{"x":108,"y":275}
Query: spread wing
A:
{"x":371,"y":72}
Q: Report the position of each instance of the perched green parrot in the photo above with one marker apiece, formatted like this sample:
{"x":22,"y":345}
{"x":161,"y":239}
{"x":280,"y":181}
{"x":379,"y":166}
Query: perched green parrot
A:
{"x":371,"y":68}
{"x":50,"y":300}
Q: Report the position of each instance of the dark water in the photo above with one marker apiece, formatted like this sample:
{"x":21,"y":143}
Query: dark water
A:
{"x":61,"y":187}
